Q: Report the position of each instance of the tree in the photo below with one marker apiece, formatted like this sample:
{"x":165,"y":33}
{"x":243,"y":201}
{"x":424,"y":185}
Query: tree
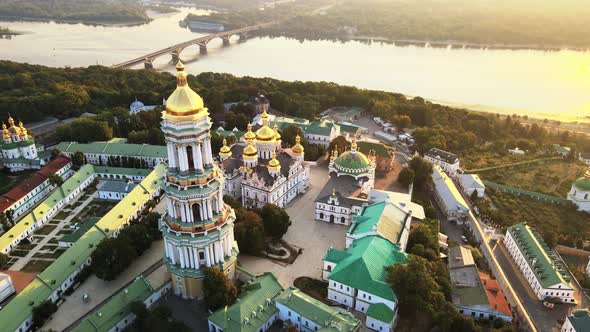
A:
{"x":229,"y":200}
{"x":111,"y":257}
{"x":474,"y":196}
{"x":138,"y":236}
{"x":249,"y":232}
{"x":55,"y":153}
{"x":423,"y":241}
{"x":55,"y":180}
{"x":406,"y":176}
{"x":84,"y":130}
{"x":78,"y":159}
{"x":42,"y":312}
{"x":218,"y":289}
{"x":159,"y":319}
{"x":152,"y":223}
{"x":415,"y":286}
{"x":339,"y":142}
{"x":276,"y":221}
{"x":422,"y":170}
{"x":3,"y":260}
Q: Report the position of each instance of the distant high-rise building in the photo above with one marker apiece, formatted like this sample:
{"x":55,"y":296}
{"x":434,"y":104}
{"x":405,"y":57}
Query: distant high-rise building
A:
{"x":198,"y":225}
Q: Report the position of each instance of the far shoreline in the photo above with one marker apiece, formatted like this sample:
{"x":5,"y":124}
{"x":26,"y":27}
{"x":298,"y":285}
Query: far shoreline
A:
{"x":66,"y":21}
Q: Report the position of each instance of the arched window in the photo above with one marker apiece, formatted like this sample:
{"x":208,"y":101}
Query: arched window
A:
{"x":196,"y":214}
{"x":329,"y":269}
{"x":321,"y":215}
{"x":332,"y":218}
{"x":343,"y":220}
{"x":586,"y":196}
{"x":189,"y":154}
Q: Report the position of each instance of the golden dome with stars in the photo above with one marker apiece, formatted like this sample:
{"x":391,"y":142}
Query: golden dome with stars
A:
{"x":297,"y":149}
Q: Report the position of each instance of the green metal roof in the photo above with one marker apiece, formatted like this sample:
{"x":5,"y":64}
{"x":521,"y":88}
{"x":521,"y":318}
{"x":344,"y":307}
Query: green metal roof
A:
{"x":365,"y":266}
{"x":20,"y":308}
{"x":384,"y":218}
{"x":583,"y":184}
{"x":580,"y":320}
{"x":121,"y":149}
{"x":380,"y":312}
{"x":334,"y":255}
{"x":226,"y":133}
{"x":355,"y":161}
{"x":381,"y":149}
{"x":547,"y":268}
{"x":316,"y":311}
{"x":254,"y":307}
{"x":323,"y":127}
{"x":13,"y":145}
{"x":105,"y":317}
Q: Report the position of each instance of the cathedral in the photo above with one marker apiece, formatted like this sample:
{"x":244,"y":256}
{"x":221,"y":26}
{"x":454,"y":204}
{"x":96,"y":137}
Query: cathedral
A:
{"x":19,"y":151}
{"x":261,"y":171}
{"x":198,"y":226}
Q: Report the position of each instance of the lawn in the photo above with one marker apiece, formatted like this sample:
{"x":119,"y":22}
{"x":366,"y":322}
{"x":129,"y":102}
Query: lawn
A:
{"x":487,"y":158}
{"x":62,"y":215}
{"x":45,"y":230}
{"x":36,"y":265}
{"x":552,"y":178}
{"x":563,"y":220}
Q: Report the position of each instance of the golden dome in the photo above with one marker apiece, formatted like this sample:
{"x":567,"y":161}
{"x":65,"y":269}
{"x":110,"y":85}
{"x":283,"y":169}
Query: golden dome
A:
{"x":249,"y":134}
{"x":274,"y":163}
{"x":297,"y":149}
{"x":183,"y":101}
{"x":225,"y":151}
{"x":250,"y":150}
{"x":277,"y":134}
{"x":265,"y":133}
{"x":5,"y":132}
{"x":23,"y":130}
{"x":10,"y":121}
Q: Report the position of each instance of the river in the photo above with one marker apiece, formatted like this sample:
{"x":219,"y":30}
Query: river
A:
{"x":543,"y":84}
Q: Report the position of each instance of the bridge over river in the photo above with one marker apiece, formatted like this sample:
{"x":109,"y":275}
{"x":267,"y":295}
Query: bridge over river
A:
{"x":175,"y":50}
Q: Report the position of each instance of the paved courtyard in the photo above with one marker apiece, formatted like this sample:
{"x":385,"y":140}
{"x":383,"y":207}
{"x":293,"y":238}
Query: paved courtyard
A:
{"x":314,"y":237}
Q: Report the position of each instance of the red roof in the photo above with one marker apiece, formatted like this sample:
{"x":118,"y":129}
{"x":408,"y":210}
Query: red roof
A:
{"x":495,"y":295}
{"x":22,"y":189}
{"x":20,"y":280}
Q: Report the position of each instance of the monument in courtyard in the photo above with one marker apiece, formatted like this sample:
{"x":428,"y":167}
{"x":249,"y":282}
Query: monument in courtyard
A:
{"x":198,"y":226}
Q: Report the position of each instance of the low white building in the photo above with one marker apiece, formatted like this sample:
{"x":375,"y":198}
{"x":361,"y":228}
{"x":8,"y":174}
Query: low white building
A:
{"x":584,"y":157}
{"x":447,"y":161}
{"x":357,"y":279}
{"x":113,"y":153}
{"x":6,"y":287}
{"x":263,"y":301}
{"x":577,"y":321}
{"x":115,"y":190}
{"x":27,"y":194}
{"x":516,"y":151}
{"x":474,"y":294}
{"x":545,"y":274}
{"x":470,"y":183}
{"x":448,"y":197}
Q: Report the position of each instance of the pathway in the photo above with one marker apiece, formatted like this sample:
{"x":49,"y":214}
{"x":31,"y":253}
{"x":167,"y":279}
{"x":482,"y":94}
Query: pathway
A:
{"x":314,"y":237}
{"x":23,"y":261}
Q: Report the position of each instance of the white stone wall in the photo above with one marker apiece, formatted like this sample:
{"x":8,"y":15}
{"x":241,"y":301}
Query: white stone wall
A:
{"x":324,"y":212}
{"x":580,"y":198}
{"x":300,"y":322}
{"x":482,"y":312}
{"x":377,"y":325}
{"x":449,"y":168}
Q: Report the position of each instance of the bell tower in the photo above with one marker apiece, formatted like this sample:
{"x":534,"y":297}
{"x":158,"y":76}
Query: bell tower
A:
{"x":198,"y":226}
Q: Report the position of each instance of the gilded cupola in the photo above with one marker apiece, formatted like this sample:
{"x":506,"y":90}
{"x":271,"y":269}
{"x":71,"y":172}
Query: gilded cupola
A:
{"x":183,"y":101}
